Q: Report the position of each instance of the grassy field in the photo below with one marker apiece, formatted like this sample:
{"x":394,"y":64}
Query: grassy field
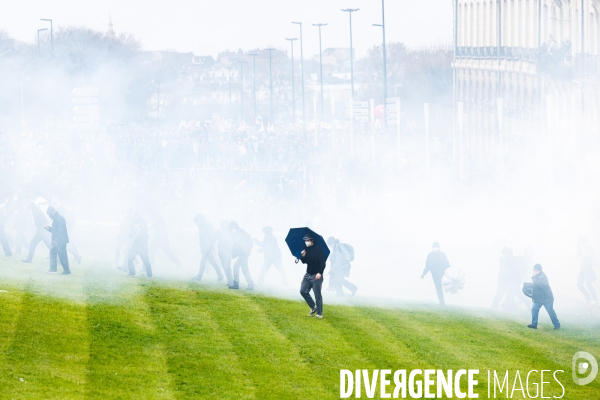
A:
{"x":102,"y":336}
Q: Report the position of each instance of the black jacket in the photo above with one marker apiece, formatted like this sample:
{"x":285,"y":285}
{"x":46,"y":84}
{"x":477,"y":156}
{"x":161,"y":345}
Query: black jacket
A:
{"x":314,"y":260}
{"x":59,"y":230}
{"x":241,"y":244}
{"x":437,"y":263}
{"x":541,"y":289}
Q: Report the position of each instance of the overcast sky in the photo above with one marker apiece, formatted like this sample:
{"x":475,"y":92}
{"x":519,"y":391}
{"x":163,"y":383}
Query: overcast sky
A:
{"x":207,"y":27}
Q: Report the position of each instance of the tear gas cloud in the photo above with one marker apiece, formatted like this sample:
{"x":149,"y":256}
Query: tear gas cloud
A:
{"x":176,"y":135}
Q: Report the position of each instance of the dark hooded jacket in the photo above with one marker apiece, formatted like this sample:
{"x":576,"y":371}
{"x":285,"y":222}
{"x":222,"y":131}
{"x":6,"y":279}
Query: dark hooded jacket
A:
{"x":437,"y":263}
{"x":541,"y":289}
{"x":59,"y":229}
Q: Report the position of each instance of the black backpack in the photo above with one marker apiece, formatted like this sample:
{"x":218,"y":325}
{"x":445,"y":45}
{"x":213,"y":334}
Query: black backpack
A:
{"x":528,"y":289}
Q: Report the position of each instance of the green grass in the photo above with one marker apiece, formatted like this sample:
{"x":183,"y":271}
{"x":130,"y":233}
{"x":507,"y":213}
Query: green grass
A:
{"x":102,"y":336}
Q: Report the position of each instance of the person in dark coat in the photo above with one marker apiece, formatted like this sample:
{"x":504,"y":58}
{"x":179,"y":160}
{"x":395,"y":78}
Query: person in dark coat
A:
{"x":587,"y":275}
{"x":224,"y":244}
{"x":138,"y":234}
{"x":542,"y":296}
{"x":160,"y":240}
{"x":436,"y":263}
{"x":71,"y":221}
{"x":508,"y":285}
{"x":207,"y":246}
{"x":240,"y":249}
{"x":59,"y":241}
{"x":340,"y":267}
{"x":272,"y":253}
{"x":3,"y":239}
{"x":314,"y":258}
{"x":40,"y":235}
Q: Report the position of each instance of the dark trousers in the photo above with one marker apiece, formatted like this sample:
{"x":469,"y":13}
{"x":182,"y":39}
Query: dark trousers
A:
{"x":242,"y":263}
{"x":208,"y":257}
{"x":142,"y":251}
{"x":4,"y":243}
{"x":549,"y":306}
{"x":437,"y":281}
{"x":338,"y":282}
{"x":278,"y":263}
{"x":225,"y":258}
{"x":59,"y":250}
{"x":309,"y":282}
{"x":165,"y":245}
{"x":590,"y":293}
{"x":40,"y":235}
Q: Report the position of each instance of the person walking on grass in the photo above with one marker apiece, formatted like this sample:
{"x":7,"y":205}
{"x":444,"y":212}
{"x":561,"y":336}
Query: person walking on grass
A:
{"x":314,"y":258}
{"x":59,"y":241}
{"x":542,"y":296}
{"x":437,"y":263}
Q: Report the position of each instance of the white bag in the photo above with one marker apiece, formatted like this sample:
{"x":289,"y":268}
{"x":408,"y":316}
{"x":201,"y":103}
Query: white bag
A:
{"x":453,"y":280}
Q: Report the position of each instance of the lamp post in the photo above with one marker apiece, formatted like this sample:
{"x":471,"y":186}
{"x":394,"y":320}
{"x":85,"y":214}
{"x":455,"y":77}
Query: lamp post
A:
{"x":320,"y":25}
{"x":242,"y":87}
{"x":51,"y":34}
{"x":270,"y":50}
{"x":22,"y":72}
{"x":254,"y":80}
{"x":350,"y":11}
{"x":39,"y":48}
{"x":230,"y":96}
{"x":382,"y":25}
{"x":302,"y":78}
{"x":292,"y":40}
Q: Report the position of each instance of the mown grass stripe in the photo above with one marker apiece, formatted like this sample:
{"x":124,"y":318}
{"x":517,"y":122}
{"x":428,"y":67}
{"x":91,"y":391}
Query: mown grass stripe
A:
{"x":48,"y":356}
{"x":265,"y":354}
{"x":201,"y":361}
{"x":320,"y":344}
{"x":126,"y":360}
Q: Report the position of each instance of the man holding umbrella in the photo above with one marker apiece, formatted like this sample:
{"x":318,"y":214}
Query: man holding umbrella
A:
{"x":314,"y":258}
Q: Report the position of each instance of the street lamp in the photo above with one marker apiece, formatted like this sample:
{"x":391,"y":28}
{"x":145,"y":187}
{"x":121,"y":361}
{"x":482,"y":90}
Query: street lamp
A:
{"x":39,"y":48}
{"x":22,"y":72}
{"x":320,"y":25}
{"x":51,"y":34}
{"x":350,"y":11}
{"x":292,"y":40}
{"x":382,"y":25}
{"x":242,"y":62}
{"x":254,"y":80}
{"x":271,"y":79}
{"x":302,"y":76}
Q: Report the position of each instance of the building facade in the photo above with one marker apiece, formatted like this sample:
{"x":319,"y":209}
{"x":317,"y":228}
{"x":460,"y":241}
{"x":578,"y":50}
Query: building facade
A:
{"x":526,"y":76}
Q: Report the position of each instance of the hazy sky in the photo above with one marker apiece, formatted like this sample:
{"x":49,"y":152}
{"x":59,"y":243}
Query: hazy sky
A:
{"x":207,"y":27}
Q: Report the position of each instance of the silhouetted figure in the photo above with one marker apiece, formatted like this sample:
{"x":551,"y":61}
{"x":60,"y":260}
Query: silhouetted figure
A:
{"x":273,"y":256}
{"x":240,"y":250}
{"x":315,"y":260}
{"x":224,"y":244}
{"x":3,"y":239}
{"x":207,"y":245}
{"x":70,"y":219}
{"x":587,"y":275}
{"x":436,"y":263}
{"x":509,"y":280}
{"x":160,"y":240}
{"x":542,"y":296}
{"x":341,"y":257}
{"x":40,"y":235}
{"x":138,"y":234}
{"x":59,"y":241}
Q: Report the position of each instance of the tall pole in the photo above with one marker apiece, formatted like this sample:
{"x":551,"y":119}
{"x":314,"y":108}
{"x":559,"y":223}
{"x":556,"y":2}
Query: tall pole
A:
{"x":320,"y":25}
{"x":350,"y":11}
{"x":51,"y":34}
{"x":230,"y":97}
{"x":254,"y":80}
{"x":271,"y":80}
{"x":302,"y":78}
{"x":291,"y":40}
{"x":242,"y":88}
{"x":39,"y":47}
{"x":385,"y":95}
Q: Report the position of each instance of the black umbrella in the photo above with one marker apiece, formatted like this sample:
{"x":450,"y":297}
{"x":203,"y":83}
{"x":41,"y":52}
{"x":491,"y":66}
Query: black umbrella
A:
{"x":295,"y":241}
